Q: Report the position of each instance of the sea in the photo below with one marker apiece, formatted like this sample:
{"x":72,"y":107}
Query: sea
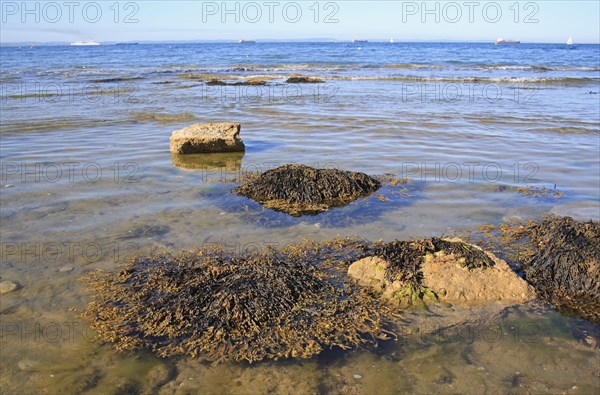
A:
{"x":485,"y":134}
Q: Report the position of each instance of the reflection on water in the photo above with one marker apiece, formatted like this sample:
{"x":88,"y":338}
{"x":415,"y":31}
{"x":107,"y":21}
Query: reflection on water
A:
{"x":215,"y":166}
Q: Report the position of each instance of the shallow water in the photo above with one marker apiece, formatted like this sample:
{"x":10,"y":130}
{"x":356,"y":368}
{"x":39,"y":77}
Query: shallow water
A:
{"x":87,"y":180}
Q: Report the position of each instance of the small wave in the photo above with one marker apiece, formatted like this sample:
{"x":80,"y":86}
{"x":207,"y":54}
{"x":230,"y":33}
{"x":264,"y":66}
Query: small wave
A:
{"x":567,"y":130}
{"x":116,"y":79}
{"x":412,"y":66}
{"x":53,"y":124}
{"x":535,"y":68}
{"x":484,"y":80}
{"x":83,"y":92}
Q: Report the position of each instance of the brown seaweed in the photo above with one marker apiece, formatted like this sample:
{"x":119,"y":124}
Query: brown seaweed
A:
{"x":250,"y":307}
{"x":559,"y":256}
{"x":299,"y":189}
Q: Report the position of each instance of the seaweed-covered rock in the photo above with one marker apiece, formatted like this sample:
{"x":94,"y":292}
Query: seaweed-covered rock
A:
{"x":447,"y":270}
{"x":251,"y":82}
{"x":300,"y":189}
{"x":561,"y":259}
{"x":298,"y":79}
{"x":218,"y":308}
{"x":209,"y":137}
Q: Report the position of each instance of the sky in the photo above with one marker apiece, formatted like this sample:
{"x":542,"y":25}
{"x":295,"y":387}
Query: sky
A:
{"x":110,"y":21}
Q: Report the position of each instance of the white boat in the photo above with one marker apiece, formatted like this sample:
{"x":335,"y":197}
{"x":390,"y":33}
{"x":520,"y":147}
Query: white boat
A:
{"x":570,"y":41}
{"x":242,"y":41}
{"x":84,"y":43}
{"x":392,"y":40}
{"x":356,"y":40}
{"x":503,"y":41}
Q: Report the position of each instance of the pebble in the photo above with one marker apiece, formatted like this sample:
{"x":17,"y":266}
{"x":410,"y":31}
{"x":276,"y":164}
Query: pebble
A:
{"x":8,"y":286}
{"x":8,"y":186}
{"x":357,"y":376}
{"x":66,"y":268}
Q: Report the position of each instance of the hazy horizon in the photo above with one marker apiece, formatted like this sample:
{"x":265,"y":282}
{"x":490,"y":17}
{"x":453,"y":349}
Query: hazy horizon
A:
{"x":155,"y":21}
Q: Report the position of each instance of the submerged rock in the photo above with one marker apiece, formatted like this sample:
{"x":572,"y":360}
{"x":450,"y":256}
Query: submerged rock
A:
{"x":445,"y":270}
{"x":209,"y":137}
{"x":300,"y":189}
{"x":28,"y":365}
{"x":8,"y":286}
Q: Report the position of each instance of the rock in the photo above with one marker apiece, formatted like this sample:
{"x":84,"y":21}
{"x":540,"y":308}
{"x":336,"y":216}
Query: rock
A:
{"x":357,"y":376}
{"x":455,"y":284}
{"x":448,"y":269}
{"x":66,"y":268}
{"x":216,"y":83}
{"x":299,"y":190}
{"x":562,"y":262}
{"x":210,"y":137}
{"x":251,"y":82}
{"x":304,"y":80}
{"x":158,"y":376}
{"x":370,"y":272}
{"x":8,"y":286}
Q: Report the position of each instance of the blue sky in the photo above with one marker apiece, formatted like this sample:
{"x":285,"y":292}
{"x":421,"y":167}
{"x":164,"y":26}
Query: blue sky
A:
{"x":528,"y":21}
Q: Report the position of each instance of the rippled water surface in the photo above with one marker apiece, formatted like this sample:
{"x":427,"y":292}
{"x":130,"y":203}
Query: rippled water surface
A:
{"x":87,"y":179}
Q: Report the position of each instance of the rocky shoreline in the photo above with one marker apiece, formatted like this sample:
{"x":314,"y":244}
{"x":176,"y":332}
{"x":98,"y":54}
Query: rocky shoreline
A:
{"x":298,"y":300}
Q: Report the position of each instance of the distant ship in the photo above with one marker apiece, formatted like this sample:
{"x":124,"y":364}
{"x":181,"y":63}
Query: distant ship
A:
{"x":503,"y":41}
{"x":570,"y":41}
{"x":84,"y":43}
{"x":242,"y":41}
{"x":356,"y":40}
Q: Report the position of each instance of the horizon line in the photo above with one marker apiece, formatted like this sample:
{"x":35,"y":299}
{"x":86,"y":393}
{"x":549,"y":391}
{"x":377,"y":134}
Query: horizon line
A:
{"x":291,"y":40}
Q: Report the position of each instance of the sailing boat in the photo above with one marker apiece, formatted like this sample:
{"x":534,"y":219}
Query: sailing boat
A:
{"x":570,"y":41}
{"x":392,"y":40}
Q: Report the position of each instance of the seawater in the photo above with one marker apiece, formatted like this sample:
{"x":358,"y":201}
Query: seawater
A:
{"x":87,"y":180}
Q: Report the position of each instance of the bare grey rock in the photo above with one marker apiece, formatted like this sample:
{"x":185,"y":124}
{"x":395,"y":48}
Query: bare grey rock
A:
{"x":209,"y":137}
